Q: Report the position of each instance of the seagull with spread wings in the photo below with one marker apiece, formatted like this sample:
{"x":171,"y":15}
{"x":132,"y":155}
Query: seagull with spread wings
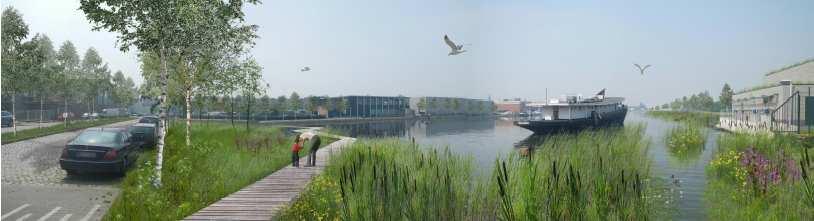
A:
{"x":641,"y":69}
{"x":454,"y":49}
{"x":304,"y":69}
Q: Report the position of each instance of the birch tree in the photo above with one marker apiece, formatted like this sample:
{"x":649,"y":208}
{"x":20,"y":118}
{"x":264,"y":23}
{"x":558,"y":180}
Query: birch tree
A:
{"x":14,"y":31}
{"x":67,"y":61}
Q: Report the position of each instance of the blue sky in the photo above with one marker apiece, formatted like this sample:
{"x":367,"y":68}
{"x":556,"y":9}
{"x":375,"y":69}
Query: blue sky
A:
{"x":518,"y":48}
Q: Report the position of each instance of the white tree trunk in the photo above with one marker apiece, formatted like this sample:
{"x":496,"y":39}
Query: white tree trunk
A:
{"x":65,"y":113}
{"x":14,"y":112}
{"x":188,"y":99}
{"x":162,"y":114}
{"x":42,"y":106}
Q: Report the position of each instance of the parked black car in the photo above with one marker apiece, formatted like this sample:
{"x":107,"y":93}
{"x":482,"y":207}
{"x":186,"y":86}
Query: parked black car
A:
{"x":8,"y":119}
{"x":144,"y":133}
{"x":100,"y":150}
{"x":149,"y":120}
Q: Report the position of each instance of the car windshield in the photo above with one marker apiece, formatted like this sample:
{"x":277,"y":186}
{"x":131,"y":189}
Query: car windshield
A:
{"x":97,"y":138}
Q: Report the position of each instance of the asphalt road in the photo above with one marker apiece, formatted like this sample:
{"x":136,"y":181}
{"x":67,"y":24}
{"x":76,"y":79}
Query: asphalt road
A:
{"x":35,"y":188}
{"x":29,"y":125}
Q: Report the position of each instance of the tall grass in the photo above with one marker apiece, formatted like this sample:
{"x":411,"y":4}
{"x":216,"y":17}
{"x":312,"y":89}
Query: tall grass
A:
{"x":691,"y":117}
{"x":686,"y":142}
{"x":592,"y":175}
{"x":760,"y":177}
{"x":221,"y":160}
{"x":602,"y":174}
{"x":389,"y":180}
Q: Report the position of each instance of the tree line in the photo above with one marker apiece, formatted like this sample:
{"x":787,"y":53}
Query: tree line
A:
{"x":702,"y":102}
{"x":33,"y":67}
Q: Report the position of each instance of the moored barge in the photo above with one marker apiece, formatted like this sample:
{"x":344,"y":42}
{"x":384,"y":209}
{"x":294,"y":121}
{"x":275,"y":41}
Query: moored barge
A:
{"x":575,"y":113}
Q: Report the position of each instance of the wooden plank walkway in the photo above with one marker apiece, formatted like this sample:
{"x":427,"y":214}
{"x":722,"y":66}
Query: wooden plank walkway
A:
{"x":263,"y":199}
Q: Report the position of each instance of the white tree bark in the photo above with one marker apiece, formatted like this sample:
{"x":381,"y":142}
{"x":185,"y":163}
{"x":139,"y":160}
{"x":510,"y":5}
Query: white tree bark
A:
{"x":14,"y":112}
{"x":162,"y":114}
{"x":42,"y":106}
{"x":188,"y":98}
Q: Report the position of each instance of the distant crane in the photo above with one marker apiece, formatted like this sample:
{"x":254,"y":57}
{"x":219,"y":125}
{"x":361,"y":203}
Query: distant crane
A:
{"x":641,"y":69}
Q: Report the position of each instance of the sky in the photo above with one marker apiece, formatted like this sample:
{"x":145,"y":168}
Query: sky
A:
{"x":515,"y":48}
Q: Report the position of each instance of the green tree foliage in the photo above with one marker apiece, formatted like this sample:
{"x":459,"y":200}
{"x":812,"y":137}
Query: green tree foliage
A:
{"x":294,"y":102}
{"x":726,"y":97}
{"x":696,"y":102}
{"x":14,"y":30}
{"x":124,"y":91}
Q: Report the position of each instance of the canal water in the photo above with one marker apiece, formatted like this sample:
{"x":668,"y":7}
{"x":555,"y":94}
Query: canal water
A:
{"x":487,"y":138}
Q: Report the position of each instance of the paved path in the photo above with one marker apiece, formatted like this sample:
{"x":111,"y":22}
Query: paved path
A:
{"x":34,"y":187}
{"x":263,"y":199}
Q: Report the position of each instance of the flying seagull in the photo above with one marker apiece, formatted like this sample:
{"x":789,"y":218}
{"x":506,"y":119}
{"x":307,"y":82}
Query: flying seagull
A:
{"x":304,"y":69}
{"x":641,"y":69}
{"x":454,"y":49}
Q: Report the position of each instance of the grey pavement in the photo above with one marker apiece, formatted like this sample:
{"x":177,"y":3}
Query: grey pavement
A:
{"x":35,"y":188}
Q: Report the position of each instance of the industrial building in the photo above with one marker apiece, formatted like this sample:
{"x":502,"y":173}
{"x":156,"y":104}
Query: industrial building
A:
{"x":434,"y":106}
{"x":779,"y":105}
{"x":376,"y":106}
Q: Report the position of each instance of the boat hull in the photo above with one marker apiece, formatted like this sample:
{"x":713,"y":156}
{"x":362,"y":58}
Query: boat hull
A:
{"x":551,"y":126}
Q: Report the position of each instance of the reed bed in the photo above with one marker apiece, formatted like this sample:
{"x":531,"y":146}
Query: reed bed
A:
{"x":603,"y":174}
{"x":594,"y":175}
{"x":760,"y":177}
{"x":389,"y":180}
{"x":686,"y":142}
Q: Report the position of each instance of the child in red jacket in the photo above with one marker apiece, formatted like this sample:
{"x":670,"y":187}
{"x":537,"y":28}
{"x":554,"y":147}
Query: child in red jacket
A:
{"x":295,"y":152}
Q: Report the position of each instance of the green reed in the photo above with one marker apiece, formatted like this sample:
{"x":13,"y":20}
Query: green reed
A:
{"x":602,"y":174}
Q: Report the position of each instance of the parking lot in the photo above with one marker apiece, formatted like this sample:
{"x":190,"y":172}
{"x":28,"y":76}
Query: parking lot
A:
{"x":34,"y":187}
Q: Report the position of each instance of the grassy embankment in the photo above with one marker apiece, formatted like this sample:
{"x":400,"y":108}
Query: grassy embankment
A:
{"x":591,"y":175}
{"x":220,"y":161}
{"x":707,"y":119}
{"x":761,"y":177}
{"x":9,"y":137}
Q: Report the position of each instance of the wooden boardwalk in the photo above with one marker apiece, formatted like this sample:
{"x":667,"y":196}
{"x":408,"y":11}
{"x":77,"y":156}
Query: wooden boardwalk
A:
{"x":263,"y":199}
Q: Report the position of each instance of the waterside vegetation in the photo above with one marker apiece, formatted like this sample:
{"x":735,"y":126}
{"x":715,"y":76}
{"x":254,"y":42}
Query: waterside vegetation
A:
{"x":590,"y":175}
